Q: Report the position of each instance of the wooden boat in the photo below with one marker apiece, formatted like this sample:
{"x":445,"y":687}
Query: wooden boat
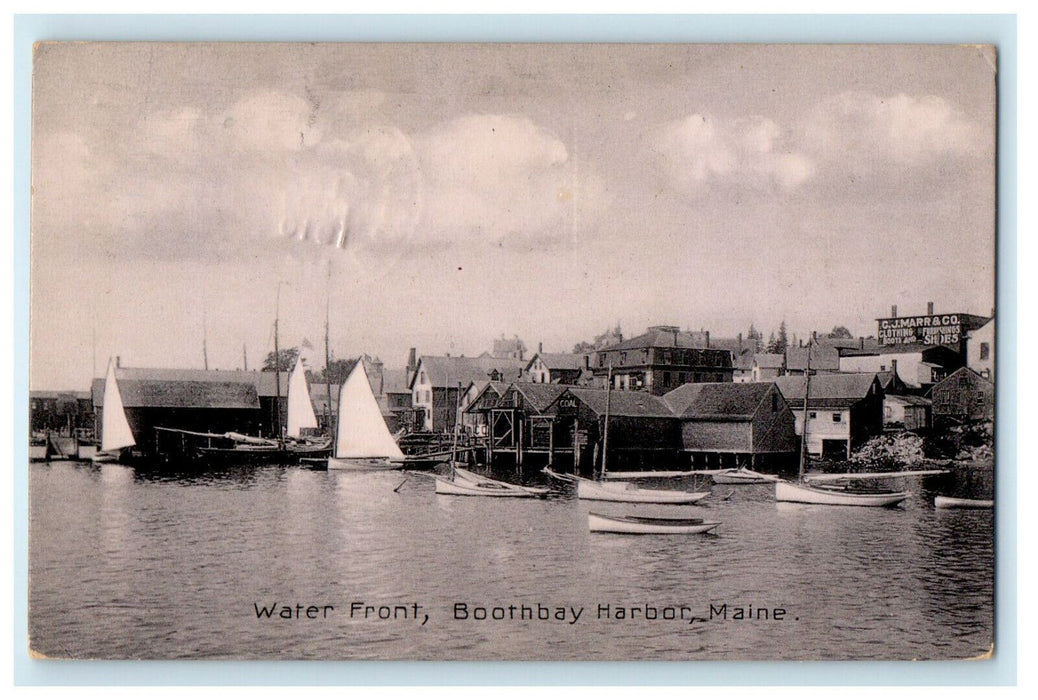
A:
{"x":620,"y":492}
{"x":116,"y":436}
{"x":944,"y":502}
{"x":789,"y":492}
{"x":742,"y":475}
{"x":38,"y":450}
{"x":637,"y":525}
{"x":830,"y":494}
{"x":466,"y":483}
{"x":300,"y":406}
{"x":362,"y":440}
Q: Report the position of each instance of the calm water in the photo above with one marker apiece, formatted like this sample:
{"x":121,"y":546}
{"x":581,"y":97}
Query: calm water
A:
{"x":125,"y":564}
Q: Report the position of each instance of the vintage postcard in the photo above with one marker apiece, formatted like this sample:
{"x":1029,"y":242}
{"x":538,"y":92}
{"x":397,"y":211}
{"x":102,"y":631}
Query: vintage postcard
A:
{"x":512,"y":351}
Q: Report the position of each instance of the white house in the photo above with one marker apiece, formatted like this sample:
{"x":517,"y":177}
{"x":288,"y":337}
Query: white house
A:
{"x":980,"y":350}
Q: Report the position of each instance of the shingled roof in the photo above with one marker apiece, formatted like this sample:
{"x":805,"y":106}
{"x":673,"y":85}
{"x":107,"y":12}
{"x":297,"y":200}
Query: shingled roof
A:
{"x":539,"y":396}
{"x":622,"y":403}
{"x":558,"y":360}
{"x":663,"y":337}
{"x":449,"y":372}
{"x":827,"y":390}
{"x":717,"y":400}
{"x":822,"y":358}
{"x":147,"y":393}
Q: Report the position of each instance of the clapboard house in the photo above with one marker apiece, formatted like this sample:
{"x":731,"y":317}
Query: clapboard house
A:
{"x":556,"y":368}
{"x":728,"y":425}
{"x":843,"y":410}
{"x":643,"y":432}
{"x":964,"y":396}
{"x":437,"y":383}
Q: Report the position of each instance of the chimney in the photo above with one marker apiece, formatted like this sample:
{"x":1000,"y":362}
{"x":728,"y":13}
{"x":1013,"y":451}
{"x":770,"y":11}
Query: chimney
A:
{"x":814,"y":336}
{"x":893,"y":311}
{"x":118,"y":361}
{"x":540,"y":347}
{"x":707,"y":339}
{"x":929,"y":308}
{"x":740,"y":343}
{"x":861,"y":342}
{"x":893,"y":368}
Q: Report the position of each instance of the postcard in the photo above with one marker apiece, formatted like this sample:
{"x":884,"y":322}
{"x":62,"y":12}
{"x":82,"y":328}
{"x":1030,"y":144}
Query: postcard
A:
{"x":582,"y":352}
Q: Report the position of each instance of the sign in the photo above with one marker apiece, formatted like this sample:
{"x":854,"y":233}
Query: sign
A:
{"x":939,"y":329}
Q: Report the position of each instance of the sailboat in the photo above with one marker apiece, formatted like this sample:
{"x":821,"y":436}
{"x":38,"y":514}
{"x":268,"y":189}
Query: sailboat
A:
{"x":830,"y":495}
{"x":742,"y":475}
{"x":622,"y":492}
{"x":362,"y":439}
{"x":301,"y":415}
{"x":116,"y":435}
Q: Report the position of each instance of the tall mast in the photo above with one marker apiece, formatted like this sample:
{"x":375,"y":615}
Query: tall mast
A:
{"x":807,"y":395}
{"x":205,"y":349}
{"x":277,"y":368}
{"x":327,"y":352}
{"x":605,"y":430}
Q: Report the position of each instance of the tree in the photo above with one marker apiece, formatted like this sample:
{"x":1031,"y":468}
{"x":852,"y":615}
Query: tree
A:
{"x":602,"y":340}
{"x":286,"y":360}
{"x":840,"y":332}
{"x":778,"y":344}
{"x":336,"y":372}
{"x":755,"y":338}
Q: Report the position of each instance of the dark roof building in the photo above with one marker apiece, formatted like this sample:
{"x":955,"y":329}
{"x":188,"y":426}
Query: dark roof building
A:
{"x":843,"y":410}
{"x":963,"y":396}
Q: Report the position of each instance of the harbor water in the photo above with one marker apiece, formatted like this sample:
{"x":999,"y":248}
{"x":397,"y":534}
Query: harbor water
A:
{"x":288,"y":563}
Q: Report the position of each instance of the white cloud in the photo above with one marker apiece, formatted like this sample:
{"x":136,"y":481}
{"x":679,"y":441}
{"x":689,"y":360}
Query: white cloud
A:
{"x":899,"y":129}
{"x":702,"y":151}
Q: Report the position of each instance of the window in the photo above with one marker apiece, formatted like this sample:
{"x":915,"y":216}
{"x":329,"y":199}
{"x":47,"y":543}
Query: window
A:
{"x":837,"y":418}
{"x":421,"y":377}
{"x":774,"y":403}
{"x":428,"y":397}
{"x":985,"y":351}
{"x":812,"y":415}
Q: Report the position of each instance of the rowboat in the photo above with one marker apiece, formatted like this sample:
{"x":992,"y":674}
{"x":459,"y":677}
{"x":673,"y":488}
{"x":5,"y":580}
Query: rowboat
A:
{"x":466,"y":483}
{"x":638,"y":525}
{"x":742,"y":475}
{"x":789,"y":492}
{"x":619,"y":492}
{"x":949,"y":502}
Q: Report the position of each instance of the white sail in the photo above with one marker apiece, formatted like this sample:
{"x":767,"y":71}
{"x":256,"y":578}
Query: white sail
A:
{"x":362,"y":431}
{"x":115,"y":430}
{"x":300,"y":408}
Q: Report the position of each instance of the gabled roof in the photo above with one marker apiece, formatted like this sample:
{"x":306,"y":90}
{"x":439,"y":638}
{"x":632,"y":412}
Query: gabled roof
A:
{"x":827,"y":390}
{"x":908,"y":400}
{"x":449,"y":372}
{"x":744,"y":360}
{"x":539,"y":396}
{"x":662,"y":337}
{"x":262,"y":382}
{"x":558,"y":361}
{"x":768,"y":360}
{"x":621,"y":403}
{"x":962,"y":374}
{"x":394,"y":381}
{"x":822,"y":358}
{"x":718,"y":400}
{"x":146,"y":393}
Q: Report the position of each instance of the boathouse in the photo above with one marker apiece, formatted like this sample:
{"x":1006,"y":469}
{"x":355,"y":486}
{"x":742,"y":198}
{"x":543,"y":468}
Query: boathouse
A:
{"x":643,"y":432}
{"x":728,"y":425}
{"x":963,"y":396}
{"x":194,"y":400}
{"x":843,"y":410}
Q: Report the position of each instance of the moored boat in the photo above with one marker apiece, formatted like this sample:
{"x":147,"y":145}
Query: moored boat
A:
{"x":362,"y":439}
{"x":947,"y":502}
{"x":789,"y":492}
{"x":742,"y":475}
{"x":466,"y":483}
{"x":619,"y":492}
{"x":116,"y":436}
{"x":641,"y":525}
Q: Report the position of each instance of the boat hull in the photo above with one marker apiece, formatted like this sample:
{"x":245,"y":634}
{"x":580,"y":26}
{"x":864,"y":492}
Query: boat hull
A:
{"x":786,"y":492}
{"x":363,"y":464}
{"x":947,"y":502}
{"x":741,"y":476}
{"x":38,"y":452}
{"x":622,"y":493}
{"x":486,"y":487}
{"x":627,"y":525}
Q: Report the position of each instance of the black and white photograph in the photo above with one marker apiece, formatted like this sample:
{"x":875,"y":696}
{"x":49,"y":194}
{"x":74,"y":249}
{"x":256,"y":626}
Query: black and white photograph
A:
{"x":512,"y":352}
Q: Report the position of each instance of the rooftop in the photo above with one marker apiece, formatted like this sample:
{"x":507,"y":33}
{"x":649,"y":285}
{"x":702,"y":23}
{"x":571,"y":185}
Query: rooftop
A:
{"x":717,"y":400}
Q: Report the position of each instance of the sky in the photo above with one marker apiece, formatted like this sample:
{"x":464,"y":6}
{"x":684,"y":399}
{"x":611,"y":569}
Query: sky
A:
{"x":438,"y":196}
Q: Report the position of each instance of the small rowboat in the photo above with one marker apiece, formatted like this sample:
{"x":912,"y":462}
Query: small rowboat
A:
{"x":742,"y":476}
{"x":466,"y":483}
{"x":949,"y":502}
{"x":619,"y":492}
{"x":635,"y":525}
{"x":836,"y":496}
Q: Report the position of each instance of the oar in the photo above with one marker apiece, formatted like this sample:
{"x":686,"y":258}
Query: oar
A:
{"x":397,"y":489}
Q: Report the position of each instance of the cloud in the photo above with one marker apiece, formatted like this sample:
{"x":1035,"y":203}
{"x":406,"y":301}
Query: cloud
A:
{"x":900,"y":130}
{"x":700,"y":152}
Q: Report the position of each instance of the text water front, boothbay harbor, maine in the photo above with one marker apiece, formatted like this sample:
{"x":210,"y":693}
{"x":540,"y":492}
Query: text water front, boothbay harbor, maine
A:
{"x":604,"y":352}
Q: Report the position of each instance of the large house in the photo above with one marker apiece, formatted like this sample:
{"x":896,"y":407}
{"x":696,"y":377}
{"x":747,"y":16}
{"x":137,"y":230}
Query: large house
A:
{"x":963,"y":396}
{"x":556,"y":368}
{"x":843,"y":410}
{"x":661,"y":359}
{"x":728,"y":425}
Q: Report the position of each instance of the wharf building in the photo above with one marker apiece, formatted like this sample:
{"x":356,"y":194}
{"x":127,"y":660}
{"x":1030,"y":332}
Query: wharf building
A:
{"x":438,"y":382}
{"x":843,"y":410}
{"x":661,"y":359}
